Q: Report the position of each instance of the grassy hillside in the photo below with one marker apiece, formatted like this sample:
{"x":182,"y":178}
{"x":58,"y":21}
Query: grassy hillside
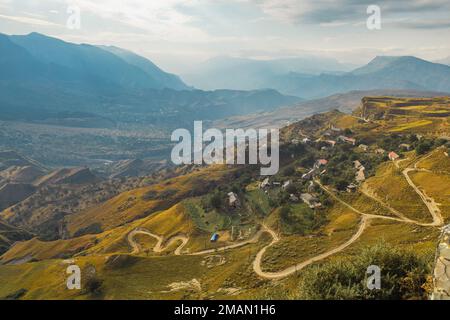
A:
{"x":153,"y":242}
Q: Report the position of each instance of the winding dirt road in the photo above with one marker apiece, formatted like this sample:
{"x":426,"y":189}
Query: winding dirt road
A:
{"x":428,"y":201}
{"x":159,"y":245}
{"x":290,"y":270}
{"x":184,"y":240}
{"x":365,"y":219}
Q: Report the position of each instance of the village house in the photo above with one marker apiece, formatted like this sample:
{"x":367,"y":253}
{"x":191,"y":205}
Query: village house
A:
{"x":363,"y":147}
{"x":264,"y":184}
{"x":357,"y":165}
{"x":309,"y":174}
{"x":393,"y":156}
{"x":311,"y":186}
{"x":347,"y":140}
{"x":295,"y":141}
{"x":335,"y":129}
{"x":320,"y":162}
{"x":351,"y":187}
{"x":233,"y":200}
{"x":286,"y":184}
{"x":405,"y":146}
{"x":331,"y":142}
{"x":360,"y":176}
{"x":310,"y":200}
{"x":306,"y":140}
{"x":293,"y":198}
{"x":380,"y":151}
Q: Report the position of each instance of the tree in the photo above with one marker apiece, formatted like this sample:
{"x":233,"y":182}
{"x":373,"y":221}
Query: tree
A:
{"x":216,"y":200}
{"x":341,"y":185}
{"x":423,"y":148}
{"x":289,"y":171}
{"x":291,"y":189}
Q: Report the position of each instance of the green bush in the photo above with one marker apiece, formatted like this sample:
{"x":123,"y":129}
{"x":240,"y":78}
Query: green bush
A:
{"x":423,"y":148}
{"x":403,"y":275}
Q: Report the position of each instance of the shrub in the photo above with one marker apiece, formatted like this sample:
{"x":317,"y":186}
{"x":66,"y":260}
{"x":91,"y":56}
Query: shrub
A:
{"x":216,"y":200}
{"x":94,"y":228}
{"x":289,"y":171}
{"x":423,"y":148}
{"x":403,"y":276}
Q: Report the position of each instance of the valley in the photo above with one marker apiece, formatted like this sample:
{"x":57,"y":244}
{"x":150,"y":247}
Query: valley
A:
{"x":150,"y":237}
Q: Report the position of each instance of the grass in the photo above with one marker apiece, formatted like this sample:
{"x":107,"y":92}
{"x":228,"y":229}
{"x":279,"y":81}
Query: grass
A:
{"x":174,"y":207}
{"x":207,"y":221}
{"x":39,"y":250}
{"x":293,"y":249}
{"x":136,"y":277}
{"x":142,"y":202}
{"x":391,"y":187}
{"x":411,"y":125}
{"x":438,"y":162}
{"x":436,"y":186}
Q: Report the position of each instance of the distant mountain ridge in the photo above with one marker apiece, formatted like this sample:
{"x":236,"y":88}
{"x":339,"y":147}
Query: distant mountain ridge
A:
{"x":250,"y":74}
{"x":87,"y":62}
{"x":344,"y":102}
{"x":52,"y":81}
{"x":165,"y":80}
{"x":383,"y":72}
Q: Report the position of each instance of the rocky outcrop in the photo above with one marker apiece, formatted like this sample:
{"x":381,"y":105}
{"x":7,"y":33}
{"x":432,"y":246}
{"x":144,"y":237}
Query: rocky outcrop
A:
{"x":441,"y":274}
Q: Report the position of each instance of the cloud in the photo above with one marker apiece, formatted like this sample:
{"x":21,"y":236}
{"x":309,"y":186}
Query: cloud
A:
{"x":332,"y":11}
{"x":28,"y":20}
{"x":425,"y":25}
{"x":156,"y":18}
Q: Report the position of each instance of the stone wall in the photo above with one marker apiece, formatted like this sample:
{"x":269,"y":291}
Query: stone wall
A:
{"x":441,"y":274}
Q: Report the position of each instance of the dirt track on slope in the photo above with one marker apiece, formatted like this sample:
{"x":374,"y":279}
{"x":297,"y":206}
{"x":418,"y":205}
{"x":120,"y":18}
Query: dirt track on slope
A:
{"x":365,"y":219}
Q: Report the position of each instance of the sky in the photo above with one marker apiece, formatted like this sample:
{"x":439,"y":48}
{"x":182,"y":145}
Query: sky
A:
{"x":179,"y":34}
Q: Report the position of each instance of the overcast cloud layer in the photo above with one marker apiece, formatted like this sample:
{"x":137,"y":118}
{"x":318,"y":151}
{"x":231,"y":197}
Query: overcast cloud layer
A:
{"x":177,"y":34}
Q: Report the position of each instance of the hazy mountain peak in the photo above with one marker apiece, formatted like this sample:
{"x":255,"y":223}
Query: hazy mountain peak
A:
{"x":167,"y":80}
{"x":88,"y":63}
{"x":382,"y":62}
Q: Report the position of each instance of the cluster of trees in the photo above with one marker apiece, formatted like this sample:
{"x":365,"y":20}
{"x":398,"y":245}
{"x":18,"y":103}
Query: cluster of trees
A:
{"x":421,"y":146}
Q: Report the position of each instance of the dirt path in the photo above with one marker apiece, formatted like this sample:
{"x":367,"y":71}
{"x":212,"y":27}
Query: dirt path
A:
{"x":184,"y":240}
{"x":404,"y":220}
{"x":429,"y":202}
{"x":290,"y":270}
{"x":365,"y":218}
{"x":365,"y":190}
{"x":159,"y":245}
{"x":254,"y":239}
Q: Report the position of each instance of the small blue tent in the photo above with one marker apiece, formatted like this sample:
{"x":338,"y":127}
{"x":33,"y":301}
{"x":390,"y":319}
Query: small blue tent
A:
{"x":214,"y":237}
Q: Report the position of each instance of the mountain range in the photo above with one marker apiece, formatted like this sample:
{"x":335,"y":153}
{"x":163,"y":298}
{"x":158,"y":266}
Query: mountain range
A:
{"x":44,"y":78}
{"x":291,"y":78}
{"x":249,"y":74}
